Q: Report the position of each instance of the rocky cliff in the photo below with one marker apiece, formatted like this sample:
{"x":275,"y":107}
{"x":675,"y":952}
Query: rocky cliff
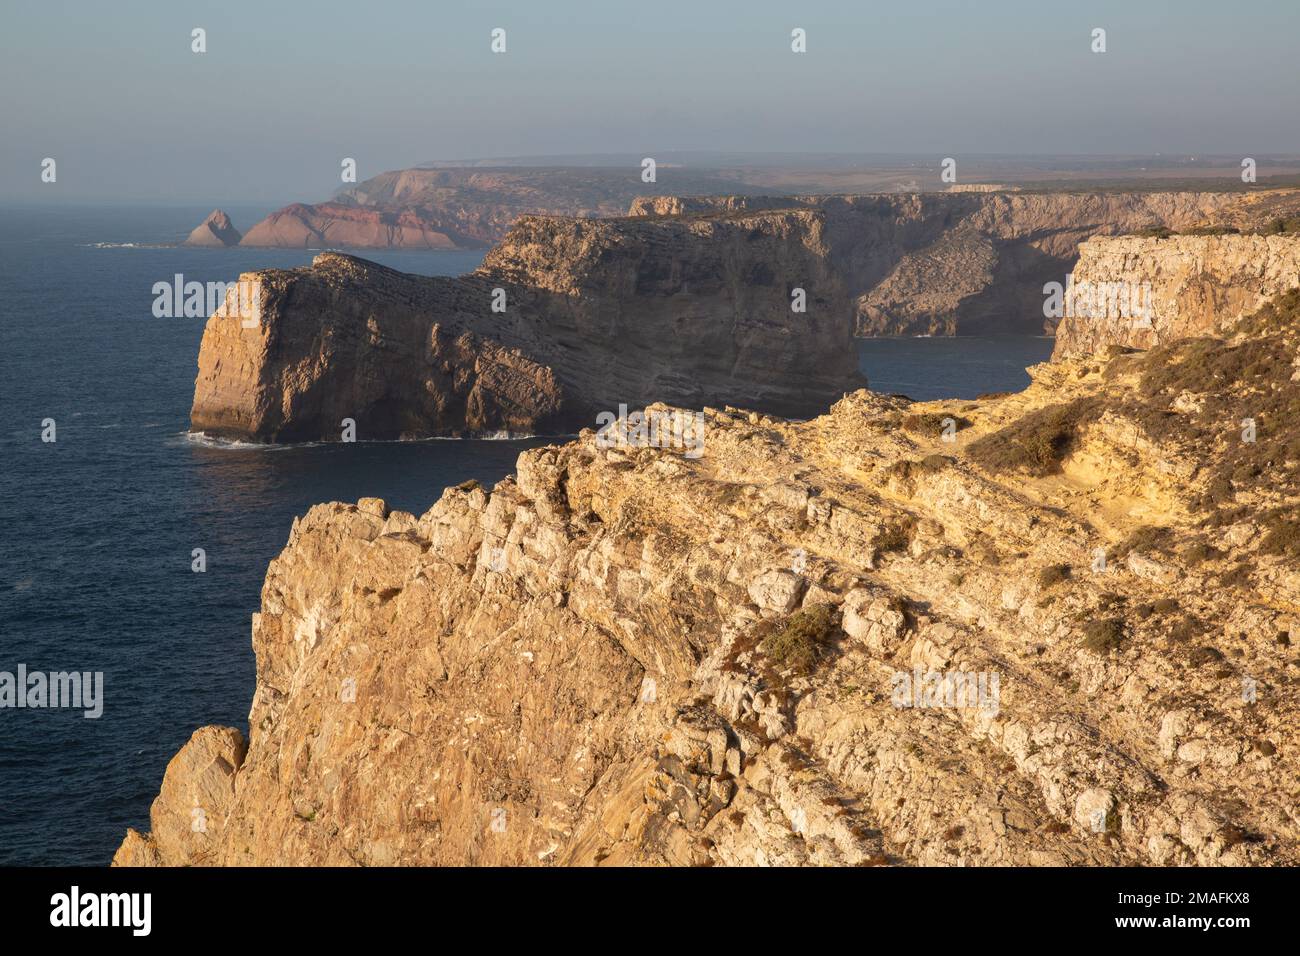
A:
{"x":968,"y":261}
{"x":216,"y":231}
{"x":972,"y":263}
{"x":327,"y":225}
{"x":1175,"y":287}
{"x":1051,"y":627}
{"x":596,"y":313}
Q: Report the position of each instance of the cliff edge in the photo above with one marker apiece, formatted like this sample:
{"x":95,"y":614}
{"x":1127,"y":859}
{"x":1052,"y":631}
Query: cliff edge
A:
{"x":1053,"y":627}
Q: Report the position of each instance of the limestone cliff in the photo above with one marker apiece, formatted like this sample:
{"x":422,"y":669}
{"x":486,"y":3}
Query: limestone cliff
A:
{"x":1184,"y":285}
{"x":597,"y":313}
{"x":625,"y":655}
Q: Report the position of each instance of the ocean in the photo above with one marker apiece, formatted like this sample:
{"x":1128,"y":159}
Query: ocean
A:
{"x":99,"y":526}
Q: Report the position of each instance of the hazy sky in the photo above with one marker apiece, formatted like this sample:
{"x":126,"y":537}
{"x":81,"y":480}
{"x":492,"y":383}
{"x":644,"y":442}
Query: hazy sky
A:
{"x":113,"y":92}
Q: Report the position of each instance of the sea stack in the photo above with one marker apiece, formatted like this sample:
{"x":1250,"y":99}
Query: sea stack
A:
{"x":217,"y":231}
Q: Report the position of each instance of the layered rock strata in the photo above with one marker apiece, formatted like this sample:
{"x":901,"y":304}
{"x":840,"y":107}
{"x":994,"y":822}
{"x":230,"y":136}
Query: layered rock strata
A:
{"x":1140,"y":292}
{"x":1054,"y":627}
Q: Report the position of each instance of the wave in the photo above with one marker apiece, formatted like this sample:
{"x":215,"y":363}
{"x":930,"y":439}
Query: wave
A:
{"x":235,"y":444}
{"x":128,"y":245}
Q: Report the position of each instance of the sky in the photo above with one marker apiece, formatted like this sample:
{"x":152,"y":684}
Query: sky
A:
{"x":113,"y":92}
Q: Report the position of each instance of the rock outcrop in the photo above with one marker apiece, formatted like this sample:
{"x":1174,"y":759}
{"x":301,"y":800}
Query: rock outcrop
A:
{"x":596,"y":314}
{"x":1174,"y":288}
{"x":217,"y":231}
{"x":1054,"y":627}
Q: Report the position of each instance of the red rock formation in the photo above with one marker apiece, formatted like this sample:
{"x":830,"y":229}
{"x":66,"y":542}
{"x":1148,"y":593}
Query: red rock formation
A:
{"x":335,"y":225}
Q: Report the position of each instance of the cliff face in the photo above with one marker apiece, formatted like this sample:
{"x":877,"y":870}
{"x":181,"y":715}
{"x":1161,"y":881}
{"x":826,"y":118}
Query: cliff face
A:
{"x":1194,"y":284}
{"x":970,"y":263}
{"x":216,"y":231}
{"x":597,"y":314}
{"x":1066,"y":635}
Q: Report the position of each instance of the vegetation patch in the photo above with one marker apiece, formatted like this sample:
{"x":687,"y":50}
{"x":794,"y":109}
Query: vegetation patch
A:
{"x":1037,"y":443}
{"x":1053,"y":575}
{"x":1283,"y":533}
{"x":908,"y":470}
{"x":933,"y":424}
{"x":895,"y":536}
{"x":1103,"y":636}
{"x":1146,"y":539}
{"x":1206,"y":655}
{"x":1246,"y":406}
{"x":1200,"y":552}
{"x":803,"y":640}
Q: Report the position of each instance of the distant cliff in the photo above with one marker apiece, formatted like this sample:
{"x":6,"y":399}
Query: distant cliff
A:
{"x":1193,"y":285}
{"x":325,"y":225}
{"x":972,"y":263}
{"x":466,"y":208}
{"x":596,"y":313}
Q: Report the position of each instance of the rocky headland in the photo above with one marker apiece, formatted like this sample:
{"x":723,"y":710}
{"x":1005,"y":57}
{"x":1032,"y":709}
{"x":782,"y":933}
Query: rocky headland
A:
{"x":1051,"y":627}
{"x":564,"y":319}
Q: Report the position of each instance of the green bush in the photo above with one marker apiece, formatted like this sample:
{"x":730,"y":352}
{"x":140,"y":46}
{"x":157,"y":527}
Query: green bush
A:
{"x":804,"y":638}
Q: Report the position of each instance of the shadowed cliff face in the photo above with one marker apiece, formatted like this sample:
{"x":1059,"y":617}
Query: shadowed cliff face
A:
{"x":1054,"y":627}
{"x":596,"y":314}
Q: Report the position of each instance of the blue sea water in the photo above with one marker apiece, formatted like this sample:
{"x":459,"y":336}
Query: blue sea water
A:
{"x":97,"y":528}
{"x":926,"y":369}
